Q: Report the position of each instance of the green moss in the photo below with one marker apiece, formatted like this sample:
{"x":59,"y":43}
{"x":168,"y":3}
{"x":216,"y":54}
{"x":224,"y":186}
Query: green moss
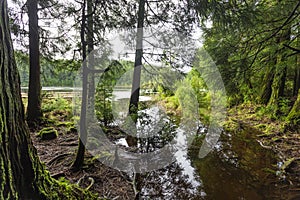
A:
{"x":294,"y":115}
{"x":48,"y":133}
{"x":72,"y":129}
{"x":230,"y":125}
{"x":65,"y":124}
{"x":261,"y":126}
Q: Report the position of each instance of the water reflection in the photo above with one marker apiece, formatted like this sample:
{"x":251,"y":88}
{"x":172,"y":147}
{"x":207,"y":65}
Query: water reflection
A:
{"x":169,"y":183}
{"x":237,"y":168}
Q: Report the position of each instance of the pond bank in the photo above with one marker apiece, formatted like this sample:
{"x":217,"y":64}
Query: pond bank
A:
{"x":275,"y":135}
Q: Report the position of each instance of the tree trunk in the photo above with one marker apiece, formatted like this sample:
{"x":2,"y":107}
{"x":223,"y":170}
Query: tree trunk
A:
{"x":83,"y":124}
{"x":22,"y":176}
{"x":91,"y":61}
{"x":34,"y":112}
{"x":296,"y":85}
{"x":267,"y":86}
{"x":294,"y":115}
{"x":278,"y":85}
{"x":135,"y":91}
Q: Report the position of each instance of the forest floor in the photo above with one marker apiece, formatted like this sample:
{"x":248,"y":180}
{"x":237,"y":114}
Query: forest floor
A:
{"x":273,"y":134}
{"x":59,"y":154}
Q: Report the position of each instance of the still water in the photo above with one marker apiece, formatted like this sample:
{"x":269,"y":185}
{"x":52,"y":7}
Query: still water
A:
{"x":237,"y":168}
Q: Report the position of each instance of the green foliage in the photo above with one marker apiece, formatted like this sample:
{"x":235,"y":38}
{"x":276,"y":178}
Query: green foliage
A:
{"x":57,"y":109}
{"x":284,"y":107}
{"x":190,"y":96}
{"x":103,"y":96}
{"x":267,"y":111}
{"x":60,"y":72}
{"x":163,"y":91}
{"x":57,"y":104}
{"x":172,"y":103}
{"x":253,"y":59}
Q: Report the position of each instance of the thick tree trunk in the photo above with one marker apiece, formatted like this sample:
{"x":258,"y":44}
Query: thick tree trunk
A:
{"x":296,"y":85}
{"x":34,"y":112}
{"x":22,"y":176}
{"x":278,"y":85}
{"x":17,"y":172}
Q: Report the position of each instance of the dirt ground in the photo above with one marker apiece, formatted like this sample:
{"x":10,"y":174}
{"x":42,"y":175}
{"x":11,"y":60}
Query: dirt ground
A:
{"x":58,"y":155}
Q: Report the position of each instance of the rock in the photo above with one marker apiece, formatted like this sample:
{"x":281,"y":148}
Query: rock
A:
{"x":48,"y":133}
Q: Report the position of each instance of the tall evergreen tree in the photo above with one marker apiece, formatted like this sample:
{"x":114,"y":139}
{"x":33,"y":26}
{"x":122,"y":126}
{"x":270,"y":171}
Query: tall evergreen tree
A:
{"x":22,"y":176}
{"x":34,"y":110}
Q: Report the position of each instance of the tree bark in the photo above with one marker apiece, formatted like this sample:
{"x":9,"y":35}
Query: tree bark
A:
{"x":278,"y":85}
{"x":267,"y":86}
{"x":296,"y":85}
{"x":83,"y":113}
{"x":22,"y":175}
{"x":294,"y":115}
{"x":34,"y":111}
{"x":135,"y":91}
{"x":91,"y":59}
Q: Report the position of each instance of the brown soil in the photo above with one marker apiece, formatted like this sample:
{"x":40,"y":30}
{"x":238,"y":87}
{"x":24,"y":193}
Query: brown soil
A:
{"x":58,"y":155}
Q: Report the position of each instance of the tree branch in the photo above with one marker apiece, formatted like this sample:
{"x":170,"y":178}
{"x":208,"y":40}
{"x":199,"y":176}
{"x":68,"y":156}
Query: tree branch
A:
{"x":292,"y":48}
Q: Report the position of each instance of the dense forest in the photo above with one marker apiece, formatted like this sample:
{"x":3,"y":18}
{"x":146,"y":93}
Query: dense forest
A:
{"x":172,"y":99}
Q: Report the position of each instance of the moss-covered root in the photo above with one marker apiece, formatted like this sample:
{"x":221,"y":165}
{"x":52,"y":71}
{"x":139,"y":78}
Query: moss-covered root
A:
{"x":52,"y":189}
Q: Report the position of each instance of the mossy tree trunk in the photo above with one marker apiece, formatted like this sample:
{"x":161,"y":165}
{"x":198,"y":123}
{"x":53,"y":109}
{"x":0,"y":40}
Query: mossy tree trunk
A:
{"x":34,"y":111}
{"x":294,"y":115}
{"x":22,"y":176}
{"x":279,"y":81}
{"x":267,"y":86}
{"x":296,"y":85}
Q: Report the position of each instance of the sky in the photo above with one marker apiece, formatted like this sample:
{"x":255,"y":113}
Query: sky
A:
{"x":120,"y":49}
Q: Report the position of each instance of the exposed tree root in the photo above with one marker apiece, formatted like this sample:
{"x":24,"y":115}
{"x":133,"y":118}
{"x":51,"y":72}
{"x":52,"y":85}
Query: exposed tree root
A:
{"x":59,"y":157}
